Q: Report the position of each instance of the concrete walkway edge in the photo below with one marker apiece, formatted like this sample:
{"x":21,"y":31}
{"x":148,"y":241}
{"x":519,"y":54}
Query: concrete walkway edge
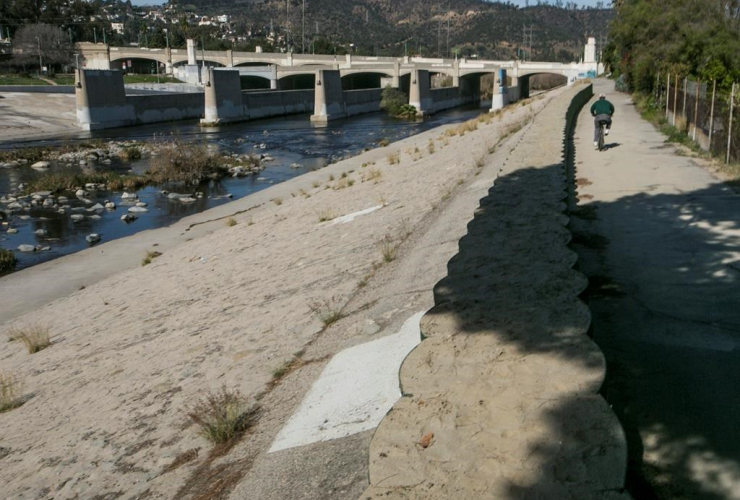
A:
{"x":501,"y":397}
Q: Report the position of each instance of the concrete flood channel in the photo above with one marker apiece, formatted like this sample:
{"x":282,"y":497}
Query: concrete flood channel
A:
{"x":296,"y":146}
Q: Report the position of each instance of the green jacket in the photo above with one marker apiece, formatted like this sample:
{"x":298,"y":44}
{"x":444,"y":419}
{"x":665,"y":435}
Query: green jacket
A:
{"x":602,"y":107}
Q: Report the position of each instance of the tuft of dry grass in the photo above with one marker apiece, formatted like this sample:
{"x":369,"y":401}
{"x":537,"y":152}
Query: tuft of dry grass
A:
{"x":34,"y":337}
{"x":430,"y":147}
{"x":328,"y":311}
{"x":383,"y":142}
{"x":373,"y":174}
{"x":150,"y":256}
{"x":316,"y":184}
{"x":11,"y":392}
{"x":387,"y":249}
{"x":394,"y":158}
{"x":327,"y":214}
{"x":479,"y":161}
{"x":277,"y":201}
{"x":231,"y":222}
{"x":223,"y":415}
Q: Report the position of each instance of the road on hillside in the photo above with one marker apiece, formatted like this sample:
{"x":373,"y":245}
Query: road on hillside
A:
{"x":659,"y":238}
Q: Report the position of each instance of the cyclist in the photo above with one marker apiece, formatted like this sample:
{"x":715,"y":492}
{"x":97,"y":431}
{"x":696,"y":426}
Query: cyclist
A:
{"x":602,"y":111}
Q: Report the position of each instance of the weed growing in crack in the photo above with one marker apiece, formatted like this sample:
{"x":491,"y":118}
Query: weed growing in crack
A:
{"x":222,"y":416}
{"x":328,"y":311}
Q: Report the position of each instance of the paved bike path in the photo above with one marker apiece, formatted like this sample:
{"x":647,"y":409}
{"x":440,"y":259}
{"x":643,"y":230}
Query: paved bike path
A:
{"x":660,"y":241}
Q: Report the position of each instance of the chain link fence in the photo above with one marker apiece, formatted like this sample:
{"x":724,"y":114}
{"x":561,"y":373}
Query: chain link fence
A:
{"x":705,"y":112}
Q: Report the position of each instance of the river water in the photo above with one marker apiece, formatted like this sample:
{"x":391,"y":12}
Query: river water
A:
{"x":290,"y":140}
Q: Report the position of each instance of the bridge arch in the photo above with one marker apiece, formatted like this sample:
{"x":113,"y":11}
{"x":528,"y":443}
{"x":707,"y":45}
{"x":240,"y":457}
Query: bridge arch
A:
{"x":359,"y":80}
{"x":139,"y":65}
{"x":540,"y":80}
{"x":300,"y":81}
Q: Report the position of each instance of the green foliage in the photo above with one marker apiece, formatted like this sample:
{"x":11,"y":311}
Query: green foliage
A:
{"x":393,"y":100}
{"x":697,"y":38}
{"x":7,"y":260}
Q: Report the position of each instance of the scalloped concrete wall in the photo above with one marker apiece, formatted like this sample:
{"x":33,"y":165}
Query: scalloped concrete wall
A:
{"x":501,"y":398}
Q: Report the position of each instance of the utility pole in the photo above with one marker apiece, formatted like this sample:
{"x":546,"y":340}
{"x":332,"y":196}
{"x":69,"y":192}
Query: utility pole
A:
{"x":287,"y":24}
{"x":41,"y":66}
{"x":448,"y":37}
{"x":303,"y":28}
{"x":70,"y":36}
{"x":439,"y":43}
{"x":95,"y":34}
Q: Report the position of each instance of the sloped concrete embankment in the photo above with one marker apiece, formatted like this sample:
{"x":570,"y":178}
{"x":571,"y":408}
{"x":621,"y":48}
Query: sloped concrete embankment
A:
{"x":501,"y":398}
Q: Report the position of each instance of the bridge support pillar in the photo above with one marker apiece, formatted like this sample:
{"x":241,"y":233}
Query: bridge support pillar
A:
{"x":328,"y":97}
{"x":191,"y":52}
{"x":500,"y":96}
{"x":419,"y":91}
{"x":101,"y":100}
{"x":229,"y":58}
{"x":456,"y":73}
{"x":223,"y":97}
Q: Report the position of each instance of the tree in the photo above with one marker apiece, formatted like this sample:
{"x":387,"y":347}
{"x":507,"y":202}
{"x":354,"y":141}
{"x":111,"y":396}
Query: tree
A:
{"x":42,"y":43}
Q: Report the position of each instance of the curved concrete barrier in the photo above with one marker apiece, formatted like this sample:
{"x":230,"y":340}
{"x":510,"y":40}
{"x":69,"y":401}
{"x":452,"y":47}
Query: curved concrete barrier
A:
{"x":501,"y":398}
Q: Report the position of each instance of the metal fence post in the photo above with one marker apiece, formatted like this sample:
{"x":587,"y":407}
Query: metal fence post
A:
{"x":667,"y":94}
{"x":696,"y":110}
{"x":675,"y":102}
{"x":711,"y":114}
{"x":729,"y":128}
{"x":685,"y":93}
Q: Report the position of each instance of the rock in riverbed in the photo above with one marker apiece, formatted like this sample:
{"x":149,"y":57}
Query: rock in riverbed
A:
{"x":40,"y":165}
{"x":92,"y":238}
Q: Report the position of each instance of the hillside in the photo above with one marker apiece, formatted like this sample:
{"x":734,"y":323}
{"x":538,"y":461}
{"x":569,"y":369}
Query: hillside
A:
{"x":389,"y":27}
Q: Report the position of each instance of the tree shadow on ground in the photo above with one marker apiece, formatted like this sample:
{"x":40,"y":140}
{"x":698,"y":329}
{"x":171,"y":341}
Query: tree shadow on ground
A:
{"x":667,"y":322}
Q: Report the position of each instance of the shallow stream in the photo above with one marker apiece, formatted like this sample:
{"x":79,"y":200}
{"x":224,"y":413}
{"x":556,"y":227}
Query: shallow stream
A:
{"x":290,"y":140}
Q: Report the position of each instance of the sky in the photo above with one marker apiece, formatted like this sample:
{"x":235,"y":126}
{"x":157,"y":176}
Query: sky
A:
{"x":590,"y":3}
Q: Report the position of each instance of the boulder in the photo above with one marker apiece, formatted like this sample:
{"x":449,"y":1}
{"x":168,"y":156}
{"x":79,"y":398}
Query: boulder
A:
{"x":92,"y":238}
{"x":129,"y":196}
{"x":40,"y":232}
{"x":12,"y":230}
{"x":15,"y":206}
{"x":40,"y":165}
{"x":140,"y":204}
{"x":110,"y":205}
{"x":81,"y":193}
{"x":128,"y":217}
{"x":137,"y":210}
{"x":48,"y":203}
{"x":26,"y":248}
{"x":96,"y":207}
{"x":187,"y":200}
{"x":77,"y":217}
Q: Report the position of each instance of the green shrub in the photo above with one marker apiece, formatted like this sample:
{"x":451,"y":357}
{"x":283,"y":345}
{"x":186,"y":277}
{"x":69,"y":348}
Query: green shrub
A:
{"x":7,"y":260}
{"x":392,"y":100}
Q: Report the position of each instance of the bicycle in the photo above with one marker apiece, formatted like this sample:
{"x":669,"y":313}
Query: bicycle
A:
{"x":602,"y":126}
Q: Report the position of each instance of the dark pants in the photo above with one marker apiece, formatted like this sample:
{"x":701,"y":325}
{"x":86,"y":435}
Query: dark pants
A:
{"x":598,"y":120}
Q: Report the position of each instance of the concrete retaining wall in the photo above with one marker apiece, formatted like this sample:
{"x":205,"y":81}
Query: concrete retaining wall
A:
{"x":446,"y":98}
{"x":357,"y":102}
{"x":39,"y":89}
{"x":277,"y":103}
{"x":102,"y":103}
{"x":178,"y":88}
{"x":165,"y":107}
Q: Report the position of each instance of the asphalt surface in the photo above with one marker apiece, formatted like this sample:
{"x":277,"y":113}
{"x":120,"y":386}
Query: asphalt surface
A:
{"x":658,"y":237}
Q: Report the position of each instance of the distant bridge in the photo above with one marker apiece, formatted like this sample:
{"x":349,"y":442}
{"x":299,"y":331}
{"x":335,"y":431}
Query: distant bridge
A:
{"x":189,"y":64}
{"x":332,"y":87}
